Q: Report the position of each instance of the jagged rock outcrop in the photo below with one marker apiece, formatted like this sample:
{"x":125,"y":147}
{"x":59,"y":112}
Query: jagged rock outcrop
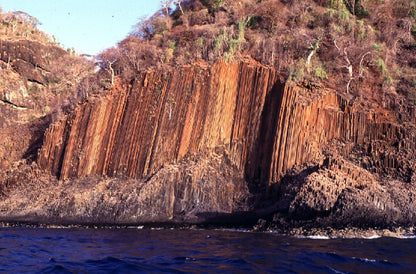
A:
{"x":30,"y":59}
{"x":38,"y":80}
{"x":268,"y":130}
{"x":198,"y":189}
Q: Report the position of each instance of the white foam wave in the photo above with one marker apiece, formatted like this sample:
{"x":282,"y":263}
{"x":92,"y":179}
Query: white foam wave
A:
{"x":375,"y":236}
{"x":406,"y":236}
{"x":136,"y":227}
{"x":314,"y":237}
{"x":365,"y":260}
{"x":319,"y":237}
{"x":234,"y":229}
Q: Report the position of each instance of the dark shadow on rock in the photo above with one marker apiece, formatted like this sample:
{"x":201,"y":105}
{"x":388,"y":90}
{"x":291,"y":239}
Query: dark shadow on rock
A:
{"x":284,"y":193}
{"x":257,"y":170}
{"x":37,"y":129}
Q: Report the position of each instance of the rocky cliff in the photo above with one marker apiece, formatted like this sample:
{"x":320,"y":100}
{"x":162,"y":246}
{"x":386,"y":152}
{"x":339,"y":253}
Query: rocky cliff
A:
{"x":30,"y":59}
{"x":38,"y":79}
{"x":267,"y":127}
{"x":311,"y":120}
{"x":281,"y":140}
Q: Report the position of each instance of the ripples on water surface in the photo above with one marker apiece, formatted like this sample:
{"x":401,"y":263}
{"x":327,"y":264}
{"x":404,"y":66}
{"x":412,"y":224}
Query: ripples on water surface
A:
{"x":197,"y":251}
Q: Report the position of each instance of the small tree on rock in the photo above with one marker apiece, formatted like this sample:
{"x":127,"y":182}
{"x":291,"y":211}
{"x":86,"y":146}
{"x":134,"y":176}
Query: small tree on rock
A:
{"x":107,"y":60}
{"x":166,"y":5}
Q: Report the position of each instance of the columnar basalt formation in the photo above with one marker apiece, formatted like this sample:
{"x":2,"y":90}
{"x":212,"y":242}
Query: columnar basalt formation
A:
{"x":227,"y":142}
{"x":163,"y":115}
{"x":267,"y":127}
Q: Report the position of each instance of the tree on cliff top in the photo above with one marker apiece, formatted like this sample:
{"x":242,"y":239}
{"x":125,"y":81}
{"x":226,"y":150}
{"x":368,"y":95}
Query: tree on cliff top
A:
{"x":282,"y":34}
{"x":166,"y":5}
{"x":107,"y":59}
{"x":21,"y":24}
{"x":23,"y":16}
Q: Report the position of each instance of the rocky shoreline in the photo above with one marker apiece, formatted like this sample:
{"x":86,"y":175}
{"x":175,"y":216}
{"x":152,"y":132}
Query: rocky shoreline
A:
{"x":213,"y":141}
{"x":311,"y":233}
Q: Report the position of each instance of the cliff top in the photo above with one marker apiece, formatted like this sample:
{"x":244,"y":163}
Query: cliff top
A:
{"x":39,"y":80}
{"x":361,"y":47}
{"x":19,"y":25}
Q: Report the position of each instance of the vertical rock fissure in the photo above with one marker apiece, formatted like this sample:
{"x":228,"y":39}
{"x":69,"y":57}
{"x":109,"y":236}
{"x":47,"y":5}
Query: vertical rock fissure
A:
{"x":117,"y":137}
{"x":259,"y":167}
{"x":67,"y":129}
{"x":235,"y":111}
{"x":156,"y":132}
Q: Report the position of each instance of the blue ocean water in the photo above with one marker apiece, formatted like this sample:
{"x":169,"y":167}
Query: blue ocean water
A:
{"x":195,"y":251}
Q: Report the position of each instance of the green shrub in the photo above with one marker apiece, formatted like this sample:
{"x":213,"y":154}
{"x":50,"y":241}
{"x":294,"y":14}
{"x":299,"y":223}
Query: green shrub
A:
{"x":222,"y":41}
{"x":377,"y":46}
{"x":297,"y":71}
{"x":201,"y":42}
{"x":412,"y":13}
{"x":160,"y":25}
{"x":241,"y":29}
{"x":234,"y":43}
{"x":342,"y":20}
{"x":361,"y":33}
{"x":414,"y":29}
{"x":218,"y":3}
{"x":213,"y":4}
{"x":382,"y":66}
{"x":384,"y":71}
{"x":320,"y":73}
{"x":172,"y":45}
{"x":388,"y":80}
{"x":335,"y":4}
{"x":252,"y":21}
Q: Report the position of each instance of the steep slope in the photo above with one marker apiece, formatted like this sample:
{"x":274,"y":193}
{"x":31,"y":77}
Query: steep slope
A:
{"x":266,"y":129}
{"x":226,"y":113}
{"x":38,"y":80}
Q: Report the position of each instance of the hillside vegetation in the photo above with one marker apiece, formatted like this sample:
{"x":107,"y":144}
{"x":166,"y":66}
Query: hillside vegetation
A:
{"x":362,"y":47}
{"x":211,"y":111}
{"x":45,"y":74}
{"x":39,"y":81}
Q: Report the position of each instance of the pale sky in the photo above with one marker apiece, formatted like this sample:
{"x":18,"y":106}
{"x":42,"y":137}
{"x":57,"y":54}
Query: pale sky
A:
{"x":89,"y":26}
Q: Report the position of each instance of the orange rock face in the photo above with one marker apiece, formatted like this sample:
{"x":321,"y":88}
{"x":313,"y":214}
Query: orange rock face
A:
{"x":267,"y":127}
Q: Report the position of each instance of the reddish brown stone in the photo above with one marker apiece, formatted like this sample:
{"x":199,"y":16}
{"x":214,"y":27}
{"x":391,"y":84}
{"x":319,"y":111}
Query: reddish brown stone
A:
{"x":267,"y":127}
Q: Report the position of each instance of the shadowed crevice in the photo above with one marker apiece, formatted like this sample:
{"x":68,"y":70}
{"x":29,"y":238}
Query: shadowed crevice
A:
{"x":260,"y":158}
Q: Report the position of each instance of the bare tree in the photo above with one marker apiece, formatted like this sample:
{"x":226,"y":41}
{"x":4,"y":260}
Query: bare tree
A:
{"x":166,"y":5}
{"x":26,"y":17}
{"x":178,"y":2}
{"x":344,"y":54}
{"x":107,"y":60}
{"x":313,"y":48}
{"x":351,"y":5}
{"x":131,"y":50}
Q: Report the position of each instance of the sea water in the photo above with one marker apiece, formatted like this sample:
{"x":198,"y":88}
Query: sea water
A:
{"x":137,"y":250}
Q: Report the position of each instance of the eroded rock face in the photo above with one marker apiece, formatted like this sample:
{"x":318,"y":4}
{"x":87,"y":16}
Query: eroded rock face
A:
{"x":267,"y":127}
{"x":33,"y":92}
{"x":195,"y":190}
{"x":30,"y":59}
{"x":304,"y":151}
{"x":342,"y":194}
{"x":137,"y":129}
